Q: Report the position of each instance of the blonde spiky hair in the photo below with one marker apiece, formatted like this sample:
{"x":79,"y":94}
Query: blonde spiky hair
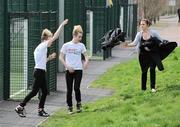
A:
{"x":45,"y":34}
{"x":77,"y":29}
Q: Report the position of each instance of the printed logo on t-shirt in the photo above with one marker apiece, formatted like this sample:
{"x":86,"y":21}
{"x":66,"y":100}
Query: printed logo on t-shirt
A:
{"x":74,"y":51}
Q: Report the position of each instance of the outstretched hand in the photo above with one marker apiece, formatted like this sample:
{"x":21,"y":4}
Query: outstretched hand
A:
{"x":125,"y":45}
{"x":65,"y":22}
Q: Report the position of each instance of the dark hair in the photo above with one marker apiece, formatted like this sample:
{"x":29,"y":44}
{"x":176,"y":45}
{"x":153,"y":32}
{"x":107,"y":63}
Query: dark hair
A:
{"x":148,"y":22}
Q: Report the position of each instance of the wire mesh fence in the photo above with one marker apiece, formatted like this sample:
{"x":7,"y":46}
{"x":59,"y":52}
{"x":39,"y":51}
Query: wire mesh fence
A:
{"x":27,"y":19}
{"x":18,"y":56}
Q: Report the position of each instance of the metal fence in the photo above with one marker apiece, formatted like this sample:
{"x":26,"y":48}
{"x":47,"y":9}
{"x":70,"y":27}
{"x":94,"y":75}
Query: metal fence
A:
{"x":25,"y":22}
{"x":129,"y":23}
{"x":74,"y":10}
{"x":1,"y":48}
{"x":21,"y":24}
{"x":121,"y":14}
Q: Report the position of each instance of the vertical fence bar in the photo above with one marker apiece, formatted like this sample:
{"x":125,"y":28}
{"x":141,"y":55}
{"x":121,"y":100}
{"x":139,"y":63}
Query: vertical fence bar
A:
{"x":134,"y":29}
{"x":1,"y":48}
{"x":6,"y":52}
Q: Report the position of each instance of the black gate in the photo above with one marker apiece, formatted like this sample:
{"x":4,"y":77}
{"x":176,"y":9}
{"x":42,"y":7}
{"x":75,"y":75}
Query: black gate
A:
{"x":24,"y":35}
{"x":21,"y":24}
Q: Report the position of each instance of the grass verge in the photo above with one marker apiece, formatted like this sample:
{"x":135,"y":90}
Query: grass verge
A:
{"x":129,"y":106}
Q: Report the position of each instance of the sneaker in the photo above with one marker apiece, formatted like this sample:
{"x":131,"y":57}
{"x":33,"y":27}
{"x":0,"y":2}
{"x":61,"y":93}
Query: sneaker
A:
{"x":79,"y":107}
{"x":70,"y":110}
{"x":43,"y":113}
{"x":153,"y":90}
{"x":20,"y":111}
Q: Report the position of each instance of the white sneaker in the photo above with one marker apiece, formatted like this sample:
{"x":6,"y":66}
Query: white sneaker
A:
{"x":153,"y":90}
{"x":79,"y":107}
{"x":20,"y":111}
{"x":70,"y":110}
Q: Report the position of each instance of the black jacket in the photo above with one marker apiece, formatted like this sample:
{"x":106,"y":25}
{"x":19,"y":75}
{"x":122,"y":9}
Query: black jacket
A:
{"x":156,"y":50}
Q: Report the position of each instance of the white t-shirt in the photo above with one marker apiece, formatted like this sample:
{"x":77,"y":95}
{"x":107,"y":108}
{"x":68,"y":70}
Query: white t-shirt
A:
{"x":72,"y":52}
{"x":40,"y":55}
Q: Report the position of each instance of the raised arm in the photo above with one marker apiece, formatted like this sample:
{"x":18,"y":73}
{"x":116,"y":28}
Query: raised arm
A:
{"x":56,"y":34}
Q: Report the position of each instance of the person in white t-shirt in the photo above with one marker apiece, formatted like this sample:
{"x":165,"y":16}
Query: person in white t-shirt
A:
{"x":40,"y":57}
{"x":71,"y":57}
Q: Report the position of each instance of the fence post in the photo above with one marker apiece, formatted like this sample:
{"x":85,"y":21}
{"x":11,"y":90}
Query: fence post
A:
{"x":6,"y":29}
{"x":134,"y":29}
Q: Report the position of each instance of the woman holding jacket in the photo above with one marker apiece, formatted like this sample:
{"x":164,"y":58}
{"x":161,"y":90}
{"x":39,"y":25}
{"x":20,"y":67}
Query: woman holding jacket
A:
{"x":152,"y":50}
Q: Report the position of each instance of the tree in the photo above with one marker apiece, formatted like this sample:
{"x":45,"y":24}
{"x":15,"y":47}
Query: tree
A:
{"x":151,"y":9}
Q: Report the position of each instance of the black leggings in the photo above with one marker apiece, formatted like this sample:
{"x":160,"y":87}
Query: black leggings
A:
{"x":76,"y":78}
{"x":145,"y":65}
{"x":39,"y":83}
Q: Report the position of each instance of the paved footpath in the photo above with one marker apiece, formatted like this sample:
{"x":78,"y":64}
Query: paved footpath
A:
{"x":170,"y":28}
{"x":8,"y":118}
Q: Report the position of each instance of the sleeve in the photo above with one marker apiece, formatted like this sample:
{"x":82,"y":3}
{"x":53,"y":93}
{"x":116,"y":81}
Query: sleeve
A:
{"x":44,"y":44}
{"x":83,"y":48}
{"x":137,"y":38}
{"x":156,"y":34}
{"x":63,"y":49}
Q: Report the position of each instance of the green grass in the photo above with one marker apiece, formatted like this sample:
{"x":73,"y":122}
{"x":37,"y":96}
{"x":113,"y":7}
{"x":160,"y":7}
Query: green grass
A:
{"x":129,"y":106}
{"x":18,"y":89}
